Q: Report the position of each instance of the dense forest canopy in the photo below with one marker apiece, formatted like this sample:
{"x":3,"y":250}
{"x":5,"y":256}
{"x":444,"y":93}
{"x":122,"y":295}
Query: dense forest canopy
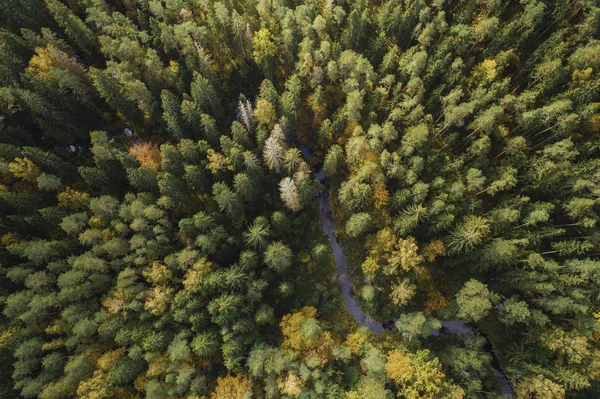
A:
{"x":160,"y":232}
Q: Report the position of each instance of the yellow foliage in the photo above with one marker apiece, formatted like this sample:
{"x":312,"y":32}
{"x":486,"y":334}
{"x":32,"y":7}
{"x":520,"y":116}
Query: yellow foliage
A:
{"x":115,"y":303}
{"x":291,"y":385}
{"x":435,"y":300}
{"x":354,"y":341}
{"x":581,"y":76}
{"x":409,"y":259}
{"x":406,"y":256}
{"x":321,"y":348}
{"x":433,"y":249}
{"x":96,"y":387}
{"x":265,"y":113}
{"x":454,"y":392}
{"x":384,"y":94}
{"x":158,"y":366}
{"x":41,"y":62}
{"x":174,"y":66}
{"x":398,"y":367}
{"x":352,"y":395}
{"x":108,"y":234}
{"x":52,"y":345}
{"x":217,"y":162}
{"x":319,"y":107}
{"x":424,"y":274}
{"x":7,"y":335}
{"x":156,"y":303}
{"x":489,"y":68}
{"x":594,"y":367}
{"x":384,"y":243}
{"x":291,"y":327}
{"x":95,"y":222}
{"x":402,"y":293}
{"x":594,"y":126}
{"x":348,"y":130}
{"x":572,"y":344}
{"x":538,"y":387}
{"x":373,"y":157}
{"x":148,"y":154}
{"x":57,"y":327}
{"x":265,"y":49}
{"x":48,"y":58}
{"x":477,"y":19}
{"x":418,"y":377}
{"x":73,"y":199}
{"x":386,"y":249}
{"x":140,"y":382}
{"x":381,"y":196}
{"x":231,"y":387}
{"x":370,"y":266}
{"x":158,"y":273}
{"x":110,"y":359}
{"x":9,"y":239}
{"x":24,"y":169}
{"x":196,"y":274}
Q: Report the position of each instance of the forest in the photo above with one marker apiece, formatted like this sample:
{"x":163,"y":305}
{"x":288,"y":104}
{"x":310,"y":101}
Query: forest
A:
{"x":197,"y":198}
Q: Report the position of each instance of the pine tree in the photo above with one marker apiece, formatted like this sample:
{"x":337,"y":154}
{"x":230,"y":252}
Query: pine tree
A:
{"x":274,"y":149}
{"x":228,"y":200}
{"x":290,"y":194}
{"x":258,"y":233}
{"x":475,"y":300}
{"x":205,"y":96}
{"x":139,"y":260}
{"x":74,"y":27}
{"x":358,"y":224}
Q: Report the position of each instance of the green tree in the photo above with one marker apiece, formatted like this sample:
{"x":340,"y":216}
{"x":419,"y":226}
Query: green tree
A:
{"x":228,"y":200}
{"x":359,"y":224}
{"x":475,"y":300}
{"x":74,"y":27}
{"x":333,"y":160}
{"x":264,"y":51}
{"x":278,"y":256}
{"x":258,"y":233}
{"x":469,"y":234}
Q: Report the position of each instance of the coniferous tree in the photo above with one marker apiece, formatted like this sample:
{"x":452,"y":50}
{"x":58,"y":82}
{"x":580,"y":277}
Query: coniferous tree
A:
{"x":157,"y":219}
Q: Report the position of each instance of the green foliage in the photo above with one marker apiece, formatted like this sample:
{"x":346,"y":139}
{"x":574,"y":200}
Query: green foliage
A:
{"x":278,"y":257}
{"x":469,"y":234}
{"x":125,"y":371}
{"x":359,"y":224}
{"x":155,"y":256}
{"x":475,"y":300}
{"x":258,"y":233}
{"x":229,"y":202}
{"x":333,"y":160}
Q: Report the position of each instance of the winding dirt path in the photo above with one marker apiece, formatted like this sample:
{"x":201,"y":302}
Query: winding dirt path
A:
{"x":352,"y":305}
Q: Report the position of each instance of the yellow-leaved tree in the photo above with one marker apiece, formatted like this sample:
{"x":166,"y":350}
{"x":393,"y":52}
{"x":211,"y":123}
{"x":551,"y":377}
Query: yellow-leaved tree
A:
{"x":231,"y":387}
{"x":302,"y":333}
{"x":539,"y":387}
{"x":418,"y":376}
